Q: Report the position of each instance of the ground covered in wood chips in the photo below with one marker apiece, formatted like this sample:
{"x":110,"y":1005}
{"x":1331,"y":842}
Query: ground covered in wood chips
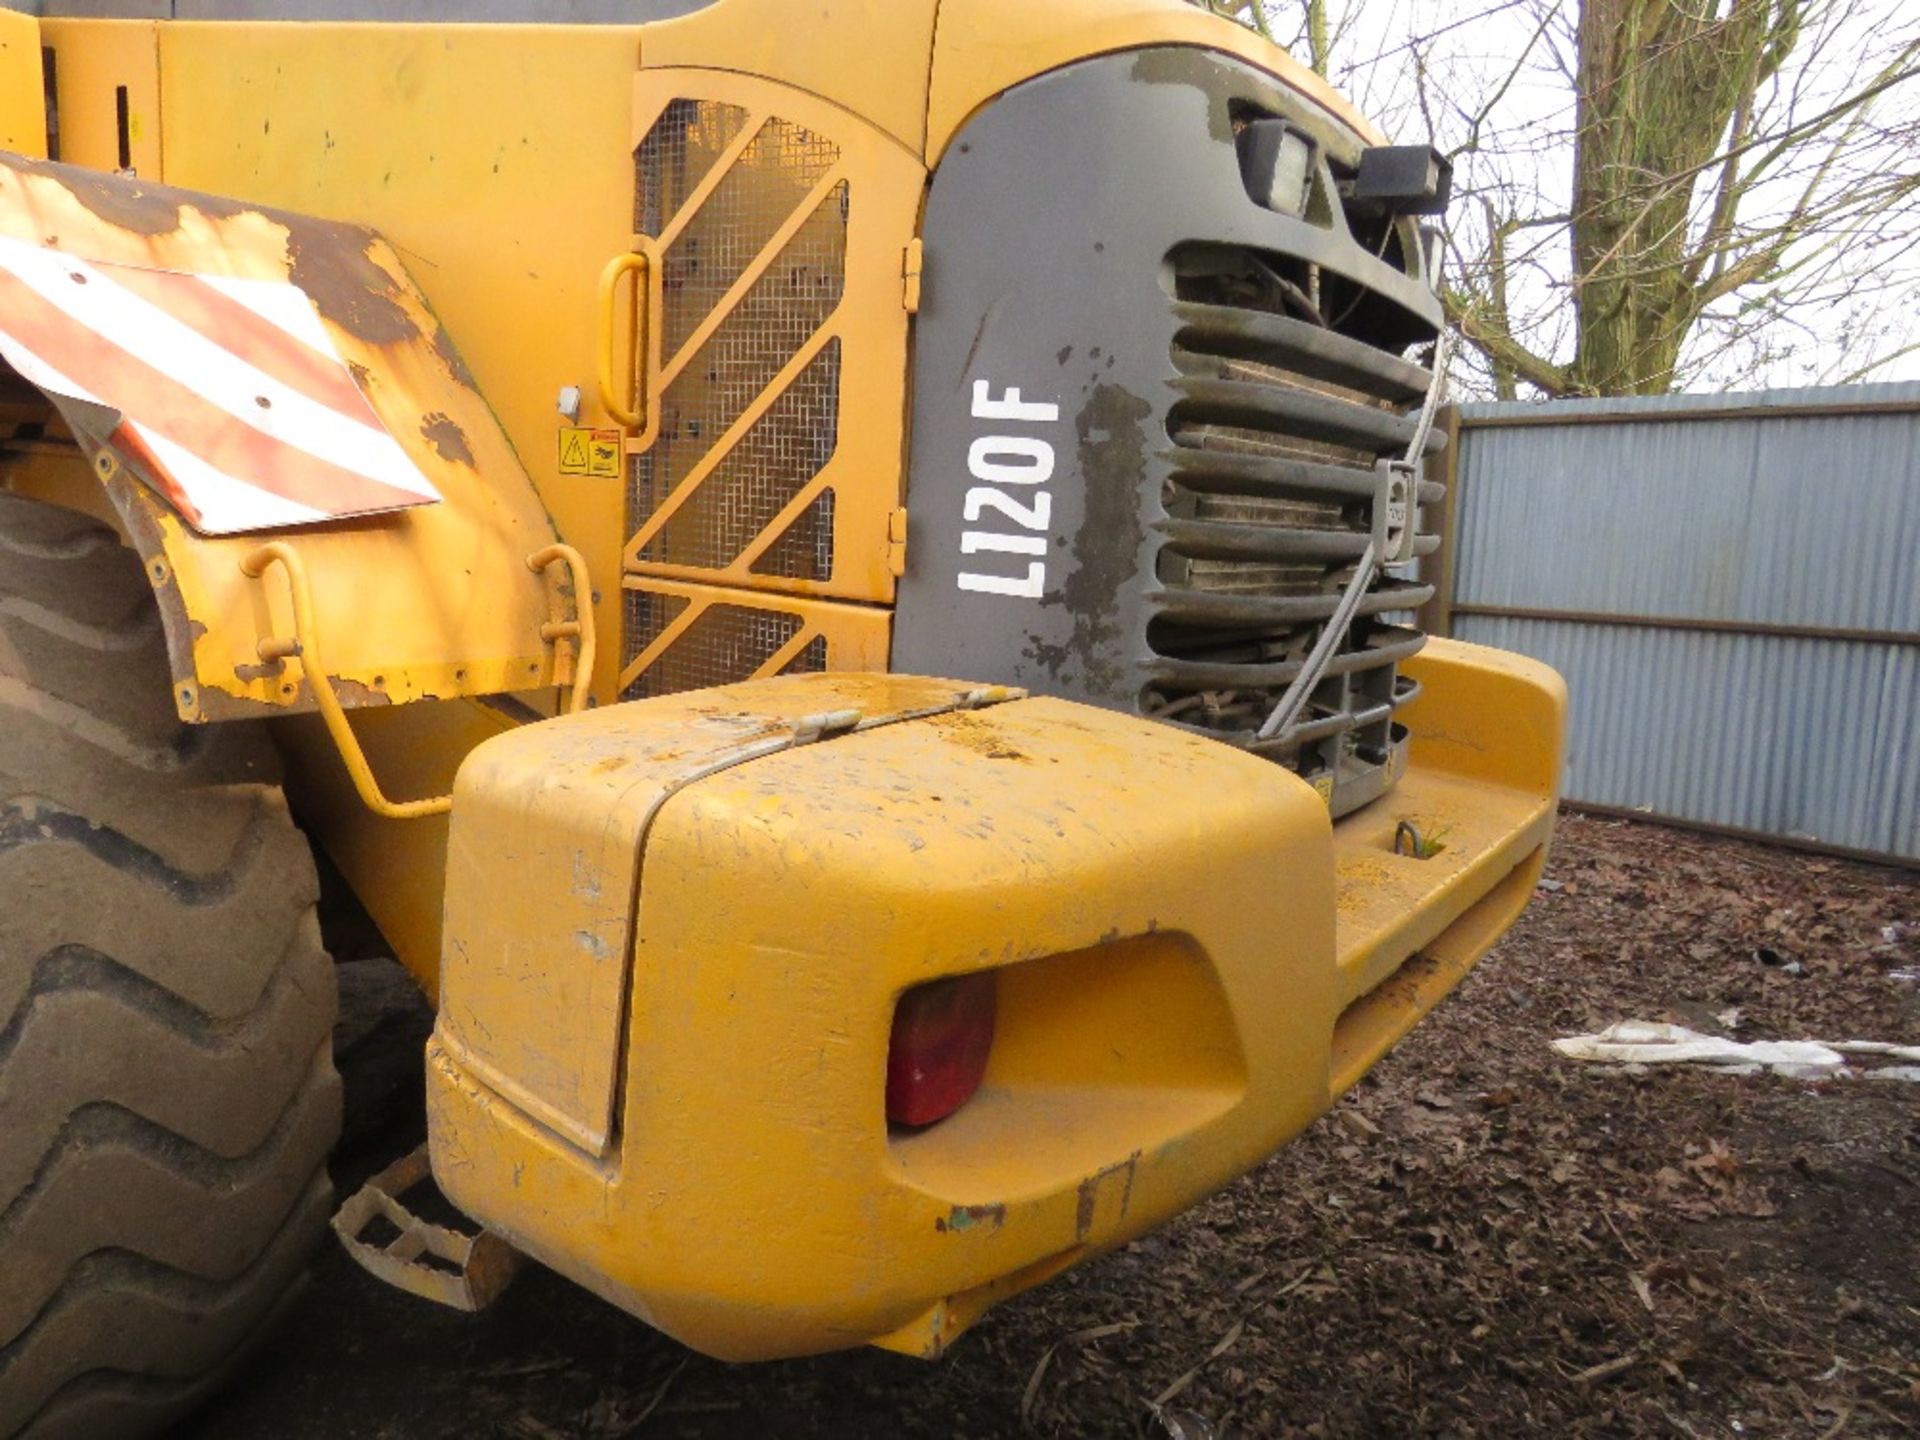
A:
{"x":1483,"y":1240}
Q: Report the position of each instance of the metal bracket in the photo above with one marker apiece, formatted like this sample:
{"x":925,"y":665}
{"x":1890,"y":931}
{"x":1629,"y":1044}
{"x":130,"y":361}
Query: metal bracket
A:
{"x":304,"y":646}
{"x":897,"y":543}
{"x":810,"y":729}
{"x":1394,"y":483}
{"x":471,"y":1270}
{"x":570,"y":635}
{"x":911,"y":266}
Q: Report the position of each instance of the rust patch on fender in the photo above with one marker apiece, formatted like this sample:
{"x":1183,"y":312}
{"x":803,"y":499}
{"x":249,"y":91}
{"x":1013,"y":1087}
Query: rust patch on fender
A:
{"x":343,"y":281}
{"x":443,"y":346}
{"x":126,"y":204}
{"x":449,"y":441}
{"x":328,"y":259}
{"x":353,"y":693}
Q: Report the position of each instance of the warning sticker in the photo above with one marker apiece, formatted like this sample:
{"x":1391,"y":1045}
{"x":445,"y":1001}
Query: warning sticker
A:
{"x":589,"y":452}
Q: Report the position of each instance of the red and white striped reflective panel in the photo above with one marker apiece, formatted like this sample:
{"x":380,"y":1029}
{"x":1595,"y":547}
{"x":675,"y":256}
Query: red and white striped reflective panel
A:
{"x":230,"y":393}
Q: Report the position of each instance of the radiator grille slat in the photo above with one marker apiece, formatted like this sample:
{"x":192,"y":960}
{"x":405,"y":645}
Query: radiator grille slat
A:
{"x":1312,"y":352}
{"x":1276,"y":428}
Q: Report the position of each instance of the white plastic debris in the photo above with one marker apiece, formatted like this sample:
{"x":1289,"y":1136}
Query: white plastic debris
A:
{"x":1646,"y":1042}
{"x":1876,"y":1047}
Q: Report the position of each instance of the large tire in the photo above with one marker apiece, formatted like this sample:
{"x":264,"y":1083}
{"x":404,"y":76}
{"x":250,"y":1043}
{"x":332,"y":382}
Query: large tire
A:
{"x":167,"y":1092}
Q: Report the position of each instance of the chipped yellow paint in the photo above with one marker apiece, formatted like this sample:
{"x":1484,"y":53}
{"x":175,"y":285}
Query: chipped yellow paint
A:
{"x":495,"y":160}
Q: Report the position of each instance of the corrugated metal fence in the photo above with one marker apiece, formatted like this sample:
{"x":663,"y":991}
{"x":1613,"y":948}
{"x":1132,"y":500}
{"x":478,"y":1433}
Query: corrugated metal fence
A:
{"x":1730,"y":584}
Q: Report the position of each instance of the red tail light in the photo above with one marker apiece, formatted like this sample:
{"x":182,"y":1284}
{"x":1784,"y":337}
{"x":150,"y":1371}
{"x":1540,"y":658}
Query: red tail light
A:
{"x":942,"y":1032}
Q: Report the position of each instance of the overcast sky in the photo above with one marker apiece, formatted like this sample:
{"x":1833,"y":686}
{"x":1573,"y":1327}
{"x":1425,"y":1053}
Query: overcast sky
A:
{"x":1469,"y":46}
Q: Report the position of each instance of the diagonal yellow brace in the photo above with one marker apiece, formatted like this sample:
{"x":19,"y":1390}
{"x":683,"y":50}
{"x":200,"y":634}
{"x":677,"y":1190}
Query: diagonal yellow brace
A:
{"x":722,"y":167}
{"x":750,"y":276}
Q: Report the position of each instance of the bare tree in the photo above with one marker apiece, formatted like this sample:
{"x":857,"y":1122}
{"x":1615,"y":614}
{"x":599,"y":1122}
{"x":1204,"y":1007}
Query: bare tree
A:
{"x":1649,"y":190}
{"x":1309,"y":18}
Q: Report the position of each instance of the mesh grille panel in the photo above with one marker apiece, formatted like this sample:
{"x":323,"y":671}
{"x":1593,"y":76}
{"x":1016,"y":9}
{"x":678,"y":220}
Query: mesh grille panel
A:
{"x":786,"y":447}
{"x":726,"y":643}
{"x":742,"y":357}
{"x":770,"y":179}
{"x":647,"y":613}
{"x":748,"y":486}
{"x":678,"y":152}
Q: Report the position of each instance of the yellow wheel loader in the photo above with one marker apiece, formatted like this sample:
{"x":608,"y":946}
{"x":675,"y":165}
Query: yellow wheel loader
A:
{"x":834,"y":578}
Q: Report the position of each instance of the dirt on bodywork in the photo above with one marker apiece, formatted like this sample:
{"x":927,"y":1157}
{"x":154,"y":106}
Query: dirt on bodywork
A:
{"x":1483,"y":1240}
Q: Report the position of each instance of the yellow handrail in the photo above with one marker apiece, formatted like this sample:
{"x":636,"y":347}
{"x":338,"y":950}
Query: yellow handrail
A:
{"x":569,"y":668}
{"x":625,"y":403}
{"x":303,"y":647}
{"x":579,"y":629}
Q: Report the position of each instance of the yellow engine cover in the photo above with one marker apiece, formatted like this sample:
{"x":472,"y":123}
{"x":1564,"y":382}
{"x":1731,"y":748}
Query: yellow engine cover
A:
{"x":676,"y":933}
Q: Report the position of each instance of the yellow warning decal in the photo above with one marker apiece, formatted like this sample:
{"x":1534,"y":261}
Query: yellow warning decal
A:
{"x":589,"y":452}
{"x":1323,"y":782}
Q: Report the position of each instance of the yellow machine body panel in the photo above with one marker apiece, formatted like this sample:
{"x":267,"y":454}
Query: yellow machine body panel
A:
{"x":499,"y":160}
{"x":23,"y":111}
{"x":988,"y":46}
{"x":670,"y":1089}
{"x":505,"y":166}
{"x":832,"y":58}
{"x":496,"y":159}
